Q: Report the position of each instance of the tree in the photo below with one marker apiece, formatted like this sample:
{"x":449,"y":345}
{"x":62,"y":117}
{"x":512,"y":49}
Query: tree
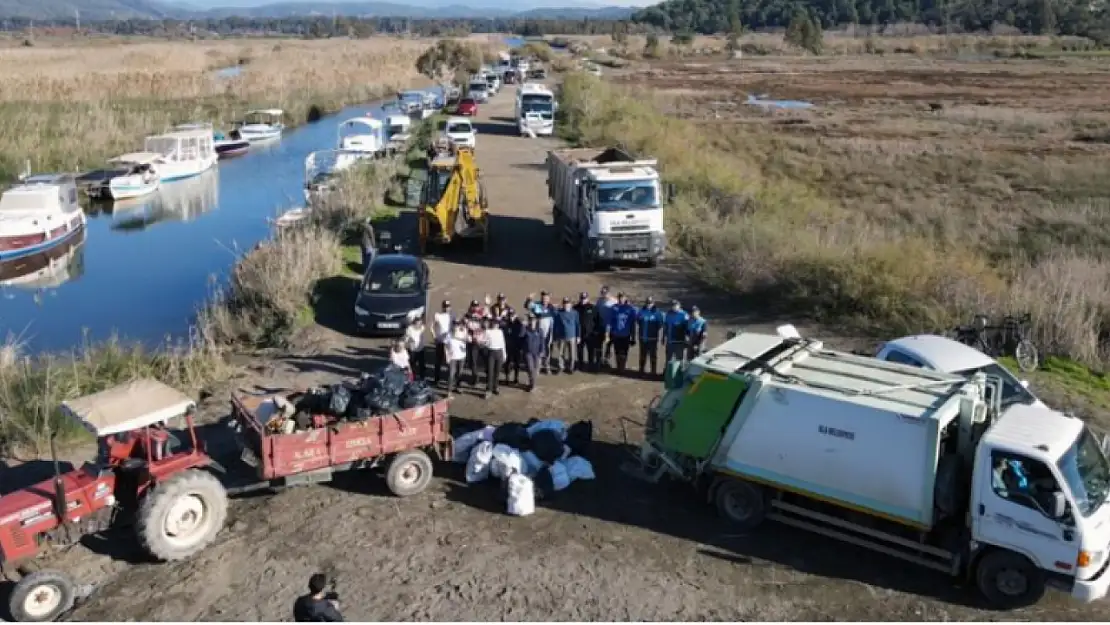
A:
{"x":1046,"y":19}
{"x":651,"y":46}
{"x":682,"y":38}
{"x":804,"y":32}
{"x":537,"y":49}
{"x":448,"y":58}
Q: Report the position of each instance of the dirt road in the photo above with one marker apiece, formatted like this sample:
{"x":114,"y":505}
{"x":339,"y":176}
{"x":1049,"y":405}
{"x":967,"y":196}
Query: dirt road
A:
{"x":611,"y":549}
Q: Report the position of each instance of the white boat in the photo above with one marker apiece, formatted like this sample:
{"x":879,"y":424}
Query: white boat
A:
{"x":39,"y":213}
{"x":262,"y":125}
{"x":321,"y":167}
{"x":180,"y":201}
{"x":398,"y":132}
{"x":290,"y":218}
{"x":140,"y":177}
{"x":47,"y":269}
{"x":418,"y":104}
{"x":184,"y":153}
{"x":362,"y":134}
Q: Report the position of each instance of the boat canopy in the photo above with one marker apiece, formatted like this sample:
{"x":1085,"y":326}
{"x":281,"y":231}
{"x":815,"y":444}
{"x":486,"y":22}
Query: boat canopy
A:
{"x":372,"y":123}
{"x":399,"y":121}
{"x":137,"y":158}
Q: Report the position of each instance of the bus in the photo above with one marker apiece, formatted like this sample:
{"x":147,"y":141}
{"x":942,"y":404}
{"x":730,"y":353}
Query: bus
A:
{"x":535,"y":109}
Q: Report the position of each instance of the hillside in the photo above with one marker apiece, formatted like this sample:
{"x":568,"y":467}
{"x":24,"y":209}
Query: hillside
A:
{"x":89,"y":9}
{"x":713,"y":16}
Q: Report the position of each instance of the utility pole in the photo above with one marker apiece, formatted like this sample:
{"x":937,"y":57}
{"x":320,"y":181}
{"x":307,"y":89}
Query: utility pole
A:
{"x":77,"y":17}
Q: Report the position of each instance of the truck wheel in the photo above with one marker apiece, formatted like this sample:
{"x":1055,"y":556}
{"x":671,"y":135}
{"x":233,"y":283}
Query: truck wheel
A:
{"x":741,"y":503}
{"x":409,"y":473}
{"x":41,"y":596}
{"x":182,"y":515}
{"x":1009,"y":581}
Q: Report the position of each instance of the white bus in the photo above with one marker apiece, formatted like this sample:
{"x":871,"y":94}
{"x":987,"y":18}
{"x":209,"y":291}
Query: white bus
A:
{"x":535,"y":109}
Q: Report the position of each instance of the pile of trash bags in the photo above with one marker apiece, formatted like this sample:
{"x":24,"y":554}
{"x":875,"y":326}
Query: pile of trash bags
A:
{"x":533,"y":460}
{"x":383,"y":393}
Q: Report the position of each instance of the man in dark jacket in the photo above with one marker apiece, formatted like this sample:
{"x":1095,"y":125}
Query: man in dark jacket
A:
{"x":622,"y":330}
{"x":512,"y":328}
{"x":565,"y":335}
{"x":591,"y":334}
{"x":535,"y":346}
{"x":318,"y":605}
{"x":649,"y":323}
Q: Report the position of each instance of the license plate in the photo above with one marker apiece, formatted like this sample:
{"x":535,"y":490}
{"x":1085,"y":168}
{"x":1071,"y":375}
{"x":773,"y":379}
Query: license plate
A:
{"x":629,"y":256}
{"x":390,"y":325}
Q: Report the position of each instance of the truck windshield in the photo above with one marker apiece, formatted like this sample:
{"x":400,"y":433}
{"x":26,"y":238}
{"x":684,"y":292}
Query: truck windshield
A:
{"x":1087,"y":472}
{"x":618,"y":196}
{"x":1012,"y":390}
{"x":536,"y":104}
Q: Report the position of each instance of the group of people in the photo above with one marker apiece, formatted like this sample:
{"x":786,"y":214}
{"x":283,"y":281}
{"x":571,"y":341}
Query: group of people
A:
{"x":497,"y":340}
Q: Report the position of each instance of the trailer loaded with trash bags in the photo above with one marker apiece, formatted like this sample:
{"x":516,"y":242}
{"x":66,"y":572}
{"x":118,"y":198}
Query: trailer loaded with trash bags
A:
{"x":381,"y":419}
{"x":533,"y":460}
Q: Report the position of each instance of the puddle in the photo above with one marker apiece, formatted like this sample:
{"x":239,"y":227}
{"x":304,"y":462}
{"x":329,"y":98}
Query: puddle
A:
{"x":229,"y":72}
{"x":762,"y":100}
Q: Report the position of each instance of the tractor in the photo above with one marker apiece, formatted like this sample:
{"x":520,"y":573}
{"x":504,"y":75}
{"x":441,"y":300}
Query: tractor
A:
{"x":454,"y":205}
{"x":144,"y":477}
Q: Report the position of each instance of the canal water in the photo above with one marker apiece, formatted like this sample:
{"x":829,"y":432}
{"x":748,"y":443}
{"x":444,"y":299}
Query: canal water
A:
{"x":142,"y":270}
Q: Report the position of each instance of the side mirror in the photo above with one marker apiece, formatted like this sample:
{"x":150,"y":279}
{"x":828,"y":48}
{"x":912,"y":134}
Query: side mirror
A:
{"x":1059,"y":505}
{"x":1025,"y":383}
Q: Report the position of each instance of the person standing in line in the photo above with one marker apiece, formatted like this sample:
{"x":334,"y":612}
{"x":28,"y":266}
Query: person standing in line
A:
{"x":441,"y":330}
{"x":533,"y":350}
{"x":414,"y":343}
{"x":697,"y":331}
{"x":545,"y":313}
{"x":566,"y":333}
{"x":511,"y":328}
{"x":674,"y":331}
{"x":475,"y":355}
{"x":493,"y":343}
{"x":456,"y":355}
{"x":605,"y":304}
{"x":368,"y":244}
{"x":622,"y":330}
{"x":649,"y":323}
{"x":499,"y":308}
{"x":591,"y":333}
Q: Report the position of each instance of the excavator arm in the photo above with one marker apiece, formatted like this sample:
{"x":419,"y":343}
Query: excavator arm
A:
{"x":460,"y":210}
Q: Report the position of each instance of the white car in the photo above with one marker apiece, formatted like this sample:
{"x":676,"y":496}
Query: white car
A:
{"x":940,"y":353}
{"x":461,"y":132}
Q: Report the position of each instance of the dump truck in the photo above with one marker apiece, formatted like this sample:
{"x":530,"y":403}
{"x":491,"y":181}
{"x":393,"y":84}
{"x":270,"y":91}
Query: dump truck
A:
{"x":916,"y":464}
{"x":454,"y":200}
{"x":608,"y":204}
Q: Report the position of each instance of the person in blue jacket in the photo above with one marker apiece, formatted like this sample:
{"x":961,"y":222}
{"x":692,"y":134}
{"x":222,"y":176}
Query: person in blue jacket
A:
{"x":565,"y":335}
{"x":622,"y":330}
{"x":674,"y":331}
{"x":649,"y":324}
{"x":696,"y":333}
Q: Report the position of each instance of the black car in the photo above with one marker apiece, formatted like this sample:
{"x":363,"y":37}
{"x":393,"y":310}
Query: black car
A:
{"x":393,"y":293}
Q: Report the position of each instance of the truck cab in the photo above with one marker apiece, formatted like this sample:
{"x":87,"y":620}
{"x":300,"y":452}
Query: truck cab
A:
{"x":921,"y":465}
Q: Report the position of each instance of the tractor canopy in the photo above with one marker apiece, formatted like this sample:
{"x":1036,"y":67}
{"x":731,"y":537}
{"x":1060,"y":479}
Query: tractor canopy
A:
{"x":128,"y":407}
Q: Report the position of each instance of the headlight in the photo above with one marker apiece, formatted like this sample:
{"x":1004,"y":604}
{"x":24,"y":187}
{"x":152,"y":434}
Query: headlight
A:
{"x":360,"y":311}
{"x":416,"y":312}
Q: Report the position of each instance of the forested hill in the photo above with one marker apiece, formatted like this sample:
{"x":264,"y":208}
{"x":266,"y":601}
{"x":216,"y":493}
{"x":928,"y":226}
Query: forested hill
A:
{"x":1066,"y":17}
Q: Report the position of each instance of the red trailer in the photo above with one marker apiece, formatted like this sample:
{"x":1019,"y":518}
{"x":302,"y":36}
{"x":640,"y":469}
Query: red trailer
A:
{"x":401,"y":441}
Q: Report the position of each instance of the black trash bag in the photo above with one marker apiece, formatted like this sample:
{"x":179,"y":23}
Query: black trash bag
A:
{"x":340,"y":399}
{"x":580,"y":438}
{"x":303,"y":420}
{"x":361,"y":414}
{"x":315,"y":401}
{"x":416,"y":394}
{"x":381,"y":402}
{"x":514,"y":435}
{"x":547,"y":446}
{"x":543,"y":484}
{"x":394,"y":379}
{"x":368,"y":382}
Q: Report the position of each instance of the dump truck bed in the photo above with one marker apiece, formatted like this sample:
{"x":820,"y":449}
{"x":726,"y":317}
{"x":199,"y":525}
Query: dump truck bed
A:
{"x":341,"y":444}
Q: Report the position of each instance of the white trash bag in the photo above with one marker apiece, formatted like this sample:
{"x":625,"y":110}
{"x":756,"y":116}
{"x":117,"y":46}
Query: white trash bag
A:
{"x":555,"y":425}
{"x":578,"y":468}
{"x":506,"y":460}
{"x":465,"y":443}
{"x":477,"y":467}
{"x":522,"y":495}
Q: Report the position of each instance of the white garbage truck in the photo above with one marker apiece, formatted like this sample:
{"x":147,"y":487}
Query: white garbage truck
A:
{"x":920,"y":465}
{"x":608,"y":204}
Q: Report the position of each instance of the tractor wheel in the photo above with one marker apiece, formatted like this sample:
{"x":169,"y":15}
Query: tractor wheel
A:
{"x":182,"y":515}
{"x":42,"y":596}
{"x":409,"y":473}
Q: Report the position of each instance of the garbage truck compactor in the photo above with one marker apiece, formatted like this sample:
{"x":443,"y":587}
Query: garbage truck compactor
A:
{"x":454,"y":203}
{"x":919,"y":465}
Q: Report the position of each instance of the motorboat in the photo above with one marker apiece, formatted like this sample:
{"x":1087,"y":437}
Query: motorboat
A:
{"x":418,"y":105}
{"x":184,"y":153}
{"x":398,"y":132}
{"x":290,"y":218}
{"x":180,"y":201}
{"x":230,"y":144}
{"x":362,"y":134}
{"x":321,"y":169}
{"x":139,"y":176}
{"x":262,"y":125}
{"x":47,"y":269}
{"x":39,"y":213}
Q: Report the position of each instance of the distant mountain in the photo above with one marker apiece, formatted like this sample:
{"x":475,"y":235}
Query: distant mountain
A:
{"x":88,"y":9}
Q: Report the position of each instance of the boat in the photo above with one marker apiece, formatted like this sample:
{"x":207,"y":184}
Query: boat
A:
{"x":231,"y":144}
{"x":398,"y":132}
{"x":139,"y":176}
{"x":38,"y":213}
{"x":184,"y":153}
{"x":417,"y":104}
{"x":262,"y":125}
{"x":362,"y":134}
{"x":47,"y":269}
{"x":180,"y":201}
{"x":322,"y":167}
{"x":290,"y":218}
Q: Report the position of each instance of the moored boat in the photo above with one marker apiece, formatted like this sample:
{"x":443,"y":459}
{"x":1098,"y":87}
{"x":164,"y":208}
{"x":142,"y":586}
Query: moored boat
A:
{"x":231,"y":144}
{"x":39,"y":213}
{"x":262,"y":125}
{"x":139,"y":176}
{"x":185,"y":153}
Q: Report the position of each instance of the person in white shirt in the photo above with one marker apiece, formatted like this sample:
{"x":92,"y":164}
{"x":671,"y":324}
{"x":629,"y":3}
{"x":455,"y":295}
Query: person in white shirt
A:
{"x":456,"y":356}
{"x":441,"y":331}
{"x":493,"y":339}
{"x":399,"y":357}
{"x":414,"y":343}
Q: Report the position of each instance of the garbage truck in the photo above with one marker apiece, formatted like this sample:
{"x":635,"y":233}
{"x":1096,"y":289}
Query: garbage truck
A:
{"x":912,"y":463}
{"x":608,"y":204}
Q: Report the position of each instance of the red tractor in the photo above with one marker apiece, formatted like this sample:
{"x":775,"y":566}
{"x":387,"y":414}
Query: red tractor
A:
{"x":143,"y":477}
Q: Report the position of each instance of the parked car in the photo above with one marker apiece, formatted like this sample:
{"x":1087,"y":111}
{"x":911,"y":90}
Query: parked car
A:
{"x":393,"y":294}
{"x":940,"y":353}
{"x":461,"y":132}
{"x":467,"y":107}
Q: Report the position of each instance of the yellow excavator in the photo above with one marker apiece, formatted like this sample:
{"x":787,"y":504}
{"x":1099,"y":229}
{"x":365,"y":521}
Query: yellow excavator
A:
{"x":454,"y":201}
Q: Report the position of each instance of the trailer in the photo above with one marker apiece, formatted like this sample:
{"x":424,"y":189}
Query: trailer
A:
{"x":608,"y":204}
{"x":916,"y":464}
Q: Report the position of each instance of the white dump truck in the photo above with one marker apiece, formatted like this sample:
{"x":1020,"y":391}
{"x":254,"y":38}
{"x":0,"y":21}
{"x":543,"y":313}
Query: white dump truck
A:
{"x":916,"y":464}
{"x":608,"y":204}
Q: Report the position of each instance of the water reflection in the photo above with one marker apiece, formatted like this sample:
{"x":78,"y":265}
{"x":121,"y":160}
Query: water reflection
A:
{"x":47,"y":269}
{"x":182,"y":200}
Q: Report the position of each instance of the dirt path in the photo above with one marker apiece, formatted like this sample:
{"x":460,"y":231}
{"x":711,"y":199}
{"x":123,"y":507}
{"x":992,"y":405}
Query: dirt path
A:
{"x":611,"y":549}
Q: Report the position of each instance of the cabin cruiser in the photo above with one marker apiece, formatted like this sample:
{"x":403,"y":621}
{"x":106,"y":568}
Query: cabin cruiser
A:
{"x":38,"y":213}
{"x":398,"y":132}
{"x":262,"y":125}
{"x":184,"y":153}
{"x":362,"y":134}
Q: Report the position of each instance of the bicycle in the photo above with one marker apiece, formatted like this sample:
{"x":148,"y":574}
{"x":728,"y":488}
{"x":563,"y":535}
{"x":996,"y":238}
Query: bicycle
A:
{"x":1008,"y":338}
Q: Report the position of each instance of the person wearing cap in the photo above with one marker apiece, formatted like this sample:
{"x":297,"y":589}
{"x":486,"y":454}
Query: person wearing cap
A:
{"x":499,"y":308}
{"x":441,"y":331}
{"x":605,"y":304}
{"x":591,"y":333}
{"x":534,"y":349}
{"x":622,"y":330}
{"x":456,"y":356}
{"x":674,"y":331}
{"x":493,"y":346}
{"x":513,"y":328}
{"x":565,"y":335}
{"x":414,"y":344}
{"x":649,"y":324}
{"x":475,"y":346}
{"x":545,"y":314}
{"x":696,"y":333}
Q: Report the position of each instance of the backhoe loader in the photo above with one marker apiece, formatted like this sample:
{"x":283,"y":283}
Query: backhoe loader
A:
{"x":454,"y":201}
